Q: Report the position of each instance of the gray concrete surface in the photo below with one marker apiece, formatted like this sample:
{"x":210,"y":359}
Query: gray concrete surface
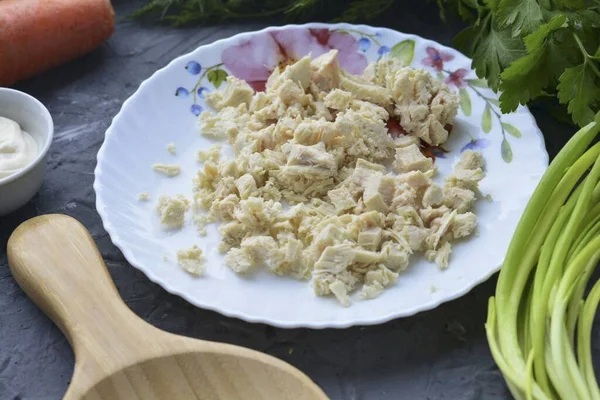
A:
{"x":412,"y":358}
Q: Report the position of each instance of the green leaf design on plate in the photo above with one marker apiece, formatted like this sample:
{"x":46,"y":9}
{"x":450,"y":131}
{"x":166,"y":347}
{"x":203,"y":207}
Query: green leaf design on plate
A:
{"x":465,"y":102}
{"x":486,"y":119}
{"x":404,"y":51}
{"x":512,"y":130}
{"x":440,"y":76}
{"x":506,"y":151}
{"x":495,"y":102}
{"x":481,"y":83}
{"x":216,"y":77}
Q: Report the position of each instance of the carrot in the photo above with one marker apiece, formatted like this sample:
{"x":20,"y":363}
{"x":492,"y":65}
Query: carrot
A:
{"x":36,"y":35}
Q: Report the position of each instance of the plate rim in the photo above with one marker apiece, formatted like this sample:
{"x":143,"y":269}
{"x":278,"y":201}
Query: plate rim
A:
{"x":287,"y":324}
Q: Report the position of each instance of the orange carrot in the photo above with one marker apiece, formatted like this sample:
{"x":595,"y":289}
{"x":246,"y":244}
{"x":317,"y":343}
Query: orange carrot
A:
{"x":36,"y":35}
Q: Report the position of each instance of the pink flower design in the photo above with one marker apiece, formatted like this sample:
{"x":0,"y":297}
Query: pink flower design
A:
{"x":457,"y":77}
{"x":254,"y":59}
{"x":436,"y":58}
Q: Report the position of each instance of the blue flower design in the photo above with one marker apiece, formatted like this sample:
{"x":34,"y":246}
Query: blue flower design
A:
{"x":202,"y":91}
{"x":364,"y":44}
{"x":196,"y":109}
{"x":476,"y":144}
{"x":383,"y":50}
{"x":438,"y":153}
{"x":181,"y":92}
{"x":193,"y":67}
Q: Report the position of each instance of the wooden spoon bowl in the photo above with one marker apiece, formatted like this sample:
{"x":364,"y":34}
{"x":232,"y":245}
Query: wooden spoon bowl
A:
{"x":119,"y":356}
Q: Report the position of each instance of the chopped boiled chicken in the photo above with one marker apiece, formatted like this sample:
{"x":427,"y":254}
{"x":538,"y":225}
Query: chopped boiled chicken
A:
{"x":172,"y":210}
{"x":236,"y":92}
{"x":316,"y":140}
{"x":410,"y":158}
{"x":191,"y":260}
{"x":423,"y":105}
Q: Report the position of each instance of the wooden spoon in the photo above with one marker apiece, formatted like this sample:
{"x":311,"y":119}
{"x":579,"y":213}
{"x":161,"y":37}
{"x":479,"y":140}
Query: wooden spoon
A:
{"x":117,"y":354}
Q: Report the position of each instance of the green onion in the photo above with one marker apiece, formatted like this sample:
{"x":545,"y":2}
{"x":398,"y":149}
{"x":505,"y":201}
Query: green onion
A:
{"x":539,"y":308}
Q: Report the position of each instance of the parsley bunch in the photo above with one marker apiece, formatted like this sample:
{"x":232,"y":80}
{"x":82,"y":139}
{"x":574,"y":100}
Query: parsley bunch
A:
{"x":527,"y":49}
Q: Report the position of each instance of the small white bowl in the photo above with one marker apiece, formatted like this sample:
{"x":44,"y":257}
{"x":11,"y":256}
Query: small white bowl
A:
{"x":18,"y":188}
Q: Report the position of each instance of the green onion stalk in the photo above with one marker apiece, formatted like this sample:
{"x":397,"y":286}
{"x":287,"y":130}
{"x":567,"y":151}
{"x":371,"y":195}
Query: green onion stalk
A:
{"x":539,"y":321}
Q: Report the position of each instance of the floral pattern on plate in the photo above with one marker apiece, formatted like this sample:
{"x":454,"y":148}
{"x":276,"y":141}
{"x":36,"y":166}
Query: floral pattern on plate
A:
{"x":253,"y":59}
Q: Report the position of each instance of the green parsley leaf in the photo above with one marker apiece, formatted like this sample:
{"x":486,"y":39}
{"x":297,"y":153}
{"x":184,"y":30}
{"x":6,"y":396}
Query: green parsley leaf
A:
{"x":216,"y":77}
{"x":493,"y":49}
{"x":492,"y":4}
{"x":577,"y":87}
{"x":569,"y":4}
{"x":522,"y":16}
{"x":526,"y":78}
{"x":506,"y":151}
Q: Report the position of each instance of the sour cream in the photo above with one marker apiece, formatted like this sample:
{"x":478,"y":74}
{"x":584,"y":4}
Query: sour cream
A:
{"x":17,"y":148}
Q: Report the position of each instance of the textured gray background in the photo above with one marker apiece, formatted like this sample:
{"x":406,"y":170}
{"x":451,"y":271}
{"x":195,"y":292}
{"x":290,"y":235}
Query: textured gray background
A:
{"x":413,"y":358}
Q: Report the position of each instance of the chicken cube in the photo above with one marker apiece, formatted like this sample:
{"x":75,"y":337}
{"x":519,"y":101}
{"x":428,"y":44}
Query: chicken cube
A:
{"x":394,"y":256}
{"x":329,"y":236}
{"x":246,"y":186}
{"x":239,"y":260}
{"x":385,"y":185}
{"x":172,"y":209}
{"x":236,"y":92}
{"x":370,"y":238}
{"x":415,"y":236}
{"x":340,"y":291}
{"x":410,"y":158}
{"x":361,"y":176}
{"x":458,"y":198}
{"x":299,"y":72}
{"x":363,"y":90}
{"x":466,"y":178}
{"x":443,"y":255}
{"x":290,"y":92}
{"x":224,"y":209}
{"x":433,"y":196}
{"x":374,"y":201}
{"x":294,"y":262}
{"x":366,"y":257}
{"x":364,"y":164}
{"x":415,"y":179}
{"x":311,"y":160}
{"x":191,"y":260}
{"x":314,"y":131}
{"x":335,"y":259}
{"x":326,"y":71}
{"x":263,"y":250}
{"x":470,"y":159}
{"x":463,"y":225}
{"x":364,"y":134}
{"x":376,"y":280}
{"x":369,"y":109}
{"x":405,"y":141}
{"x":429,"y":214}
{"x":320,"y":111}
{"x":404,"y":195}
{"x":406,"y":215}
{"x":338,"y":99}
{"x":424,"y":105}
{"x":341,"y":198}
{"x":439,"y":227}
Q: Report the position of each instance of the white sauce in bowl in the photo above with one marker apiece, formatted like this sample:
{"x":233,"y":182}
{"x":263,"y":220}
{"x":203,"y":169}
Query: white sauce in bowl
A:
{"x":17,"y":148}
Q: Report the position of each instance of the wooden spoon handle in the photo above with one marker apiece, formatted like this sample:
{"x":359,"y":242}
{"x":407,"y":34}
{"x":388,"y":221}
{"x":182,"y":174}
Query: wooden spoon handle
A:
{"x":56,"y":262}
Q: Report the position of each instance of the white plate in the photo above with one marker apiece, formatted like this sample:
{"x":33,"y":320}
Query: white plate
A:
{"x":162,"y":111}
